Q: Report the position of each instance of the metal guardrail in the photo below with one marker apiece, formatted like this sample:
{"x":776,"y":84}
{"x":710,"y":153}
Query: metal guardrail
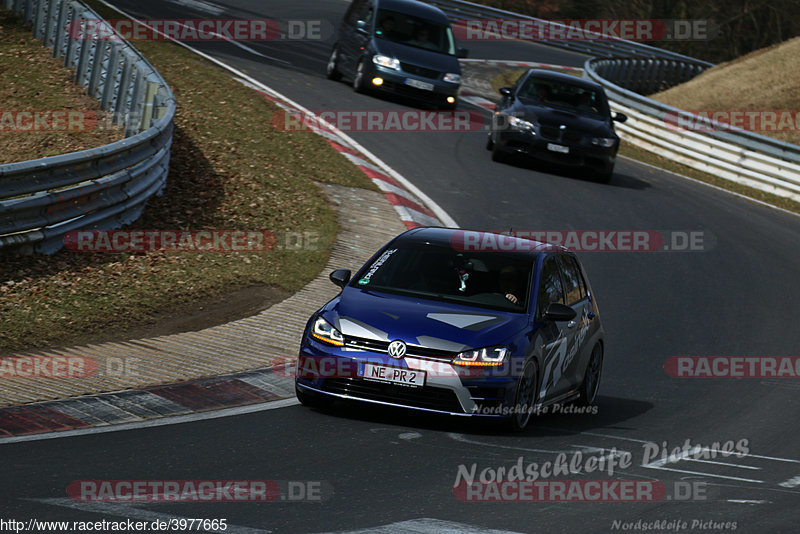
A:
{"x":745,"y":157}
{"x":598,"y":45}
{"x":628,"y":70}
{"x":101,"y":188}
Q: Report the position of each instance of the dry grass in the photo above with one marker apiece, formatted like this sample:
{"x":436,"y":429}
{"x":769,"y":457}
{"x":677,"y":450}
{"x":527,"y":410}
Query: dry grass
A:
{"x":32,"y":80}
{"x":767,"y":79}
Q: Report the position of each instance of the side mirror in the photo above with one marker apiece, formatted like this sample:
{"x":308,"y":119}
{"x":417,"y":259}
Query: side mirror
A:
{"x":340,"y":277}
{"x":619,"y":117}
{"x":559,"y":312}
{"x":505,"y":91}
{"x":462,"y":53}
{"x":361,"y":26}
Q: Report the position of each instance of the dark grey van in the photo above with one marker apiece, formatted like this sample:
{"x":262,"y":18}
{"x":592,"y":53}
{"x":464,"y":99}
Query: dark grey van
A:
{"x":402,"y":46}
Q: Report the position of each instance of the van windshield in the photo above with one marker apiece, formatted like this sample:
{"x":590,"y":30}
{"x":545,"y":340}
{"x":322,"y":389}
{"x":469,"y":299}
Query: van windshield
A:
{"x":414,"y":31}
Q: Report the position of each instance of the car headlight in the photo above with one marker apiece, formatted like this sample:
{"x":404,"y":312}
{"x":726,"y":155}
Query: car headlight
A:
{"x":606,"y":142}
{"x":324,"y":331}
{"x":386,"y":61}
{"x":486,"y":357}
{"x":452,"y":78}
{"x":520,"y":124}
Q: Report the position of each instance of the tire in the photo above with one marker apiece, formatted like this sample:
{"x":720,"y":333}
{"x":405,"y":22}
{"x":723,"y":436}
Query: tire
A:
{"x":307,"y":399}
{"x":498,"y":155}
{"x":489,"y":142}
{"x":605,"y":176}
{"x":525,"y":397}
{"x":358,"y":78}
{"x":591,"y":377}
{"x":332,"y":69}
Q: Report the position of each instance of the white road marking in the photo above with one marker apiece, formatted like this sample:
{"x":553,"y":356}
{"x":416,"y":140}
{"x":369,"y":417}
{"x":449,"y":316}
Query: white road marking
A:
{"x":728,"y":464}
{"x":408,"y":436}
{"x":747,"y":501}
{"x":463,"y":439}
{"x":129,"y":511}
{"x":168,"y":420}
{"x":791,"y":483}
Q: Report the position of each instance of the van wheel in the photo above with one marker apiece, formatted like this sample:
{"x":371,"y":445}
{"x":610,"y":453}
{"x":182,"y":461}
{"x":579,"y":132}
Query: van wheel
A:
{"x":358,"y":79}
{"x":332,"y":69}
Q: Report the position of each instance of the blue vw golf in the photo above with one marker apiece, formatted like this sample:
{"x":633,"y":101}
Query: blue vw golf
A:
{"x":457,"y":322}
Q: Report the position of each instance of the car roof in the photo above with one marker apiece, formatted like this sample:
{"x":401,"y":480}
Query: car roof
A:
{"x":561,"y":77}
{"x":415,"y":8}
{"x":453,"y":236}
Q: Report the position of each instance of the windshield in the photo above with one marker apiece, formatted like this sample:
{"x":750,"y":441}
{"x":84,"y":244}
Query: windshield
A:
{"x":484,"y":279}
{"x":563,"y":95}
{"x":414,"y":31}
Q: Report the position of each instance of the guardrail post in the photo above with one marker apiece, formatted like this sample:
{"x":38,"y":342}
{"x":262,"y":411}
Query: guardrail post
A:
{"x":124,"y":89}
{"x":38,"y":17}
{"x":149,"y":97}
{"x":97,"y":68}
{"x":49,"y":23}
{"x":111,"y":78}
{"x":85,"y":47}
{"x":61,"y":22}
{"x":135,"y":109}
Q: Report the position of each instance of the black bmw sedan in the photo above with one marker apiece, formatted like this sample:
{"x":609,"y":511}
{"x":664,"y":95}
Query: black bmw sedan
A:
{"x":556,"y":118}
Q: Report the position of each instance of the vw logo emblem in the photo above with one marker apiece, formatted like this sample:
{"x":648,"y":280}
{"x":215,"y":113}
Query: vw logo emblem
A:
{"x":397,"y":349}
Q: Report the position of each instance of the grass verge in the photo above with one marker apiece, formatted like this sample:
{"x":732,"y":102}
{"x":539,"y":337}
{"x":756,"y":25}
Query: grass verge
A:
{"x":229,"y":169}
{"x":31,"y":80}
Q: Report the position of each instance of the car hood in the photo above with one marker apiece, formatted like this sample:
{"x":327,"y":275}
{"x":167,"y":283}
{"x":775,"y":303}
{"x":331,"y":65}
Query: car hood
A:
{"x":554,"y":117}
{"x":418,"y":56}
{"x":429,"y":323}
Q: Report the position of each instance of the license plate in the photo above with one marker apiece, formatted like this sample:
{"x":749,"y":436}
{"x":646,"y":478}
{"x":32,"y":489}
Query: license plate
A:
{"x":425,"y":86}
{"x":395,"y":375}
{"x":558,"y":148}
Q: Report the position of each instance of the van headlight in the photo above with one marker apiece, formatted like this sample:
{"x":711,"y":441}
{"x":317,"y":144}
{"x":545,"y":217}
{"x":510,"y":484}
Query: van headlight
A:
{"x":386,"y":61}
{"x":452,"y":77}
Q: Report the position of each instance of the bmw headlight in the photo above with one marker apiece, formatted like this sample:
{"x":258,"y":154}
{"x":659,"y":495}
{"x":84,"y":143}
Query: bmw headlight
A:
{"x":452,"y":78}
{"x":324,"y":331}
{"x":520,"y":124}
{"x":386,"y":61}
{"x":605,"y":142}
{"x":486,"y":357}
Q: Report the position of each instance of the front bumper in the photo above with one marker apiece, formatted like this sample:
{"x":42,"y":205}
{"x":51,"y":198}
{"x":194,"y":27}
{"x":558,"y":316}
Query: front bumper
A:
{"x":581,"y":152}
{"x":396,"y":82}
{"x":448,"y":389}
